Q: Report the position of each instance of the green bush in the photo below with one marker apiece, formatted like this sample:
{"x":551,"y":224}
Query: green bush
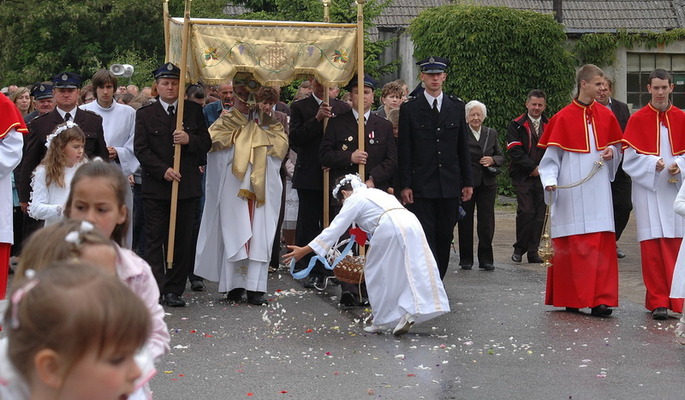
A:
{"x":498,"y":55}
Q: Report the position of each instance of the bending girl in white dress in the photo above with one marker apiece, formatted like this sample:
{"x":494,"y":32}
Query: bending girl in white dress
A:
{"x":402,"y":276}
{"x":51,"y":179}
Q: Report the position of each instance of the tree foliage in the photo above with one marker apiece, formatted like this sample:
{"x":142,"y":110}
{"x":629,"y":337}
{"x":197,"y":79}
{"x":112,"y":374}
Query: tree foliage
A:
{"x":498,"y":55}
{"x":44,"y":37}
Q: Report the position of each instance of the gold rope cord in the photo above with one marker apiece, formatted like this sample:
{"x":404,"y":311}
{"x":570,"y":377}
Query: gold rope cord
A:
{"x":546,"y":251}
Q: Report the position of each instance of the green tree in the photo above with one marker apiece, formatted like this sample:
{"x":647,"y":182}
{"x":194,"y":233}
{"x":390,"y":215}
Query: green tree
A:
{"x":498,"y":55}
{"x":44,"y":37}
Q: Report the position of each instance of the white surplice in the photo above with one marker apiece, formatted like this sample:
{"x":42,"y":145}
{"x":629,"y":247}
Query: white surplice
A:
{"x":587,"y":208}
{"x":233,"y":248}
{"x":653,"y":194}
{"x":401,"y":273}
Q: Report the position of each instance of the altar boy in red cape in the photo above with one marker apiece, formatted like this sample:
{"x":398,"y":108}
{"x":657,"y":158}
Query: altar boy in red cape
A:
{"x":12,"y":129}
{"x":654,"y":144}
{"x":584,"y":271}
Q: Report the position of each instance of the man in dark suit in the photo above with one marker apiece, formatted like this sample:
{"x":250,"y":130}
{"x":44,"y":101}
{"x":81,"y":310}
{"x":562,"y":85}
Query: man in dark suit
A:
{"x":621,"y":186}
{"x":43,"y":100}
{"x":434,"y":159}
{"x":306,"y":131}
{"x":523,"y":134}
{"x":66,"y":93}
{"x":155,"y":139}
{"x":340,"y":152}
{"x":339,"y":146}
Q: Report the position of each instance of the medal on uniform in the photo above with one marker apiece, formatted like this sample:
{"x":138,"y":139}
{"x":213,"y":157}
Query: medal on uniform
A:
{"x":372,"y":135}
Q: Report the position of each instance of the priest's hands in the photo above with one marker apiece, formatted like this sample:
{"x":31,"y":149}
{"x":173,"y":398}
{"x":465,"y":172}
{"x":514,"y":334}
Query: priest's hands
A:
{"x":608,"y":154}
{"x":551,"y":188}
{"x":660,"y":165}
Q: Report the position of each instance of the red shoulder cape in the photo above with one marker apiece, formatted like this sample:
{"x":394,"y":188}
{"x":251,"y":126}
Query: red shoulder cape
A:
{"x":568,"y":129}
{"x":10,"y":118}
{"x":643,"y":130}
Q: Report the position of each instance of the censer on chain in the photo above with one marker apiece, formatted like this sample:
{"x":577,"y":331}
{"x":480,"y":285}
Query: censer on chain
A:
{"x":546,"y":250}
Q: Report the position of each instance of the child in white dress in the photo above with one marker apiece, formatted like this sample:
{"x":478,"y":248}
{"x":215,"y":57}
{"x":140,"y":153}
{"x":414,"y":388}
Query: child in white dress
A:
{"x":401,"y":274}
{"x":51,"y":179}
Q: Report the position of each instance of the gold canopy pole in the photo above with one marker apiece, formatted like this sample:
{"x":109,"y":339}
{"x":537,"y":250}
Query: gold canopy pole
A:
{"x":360,"y":91}
{"x":166,"y":20}
{"x":179,"y":127}
{"x":326,"y":99}
{"x":360,"y":81}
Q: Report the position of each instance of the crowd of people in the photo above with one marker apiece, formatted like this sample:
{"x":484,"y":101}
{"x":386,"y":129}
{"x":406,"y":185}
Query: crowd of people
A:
{"x":87,"y":173}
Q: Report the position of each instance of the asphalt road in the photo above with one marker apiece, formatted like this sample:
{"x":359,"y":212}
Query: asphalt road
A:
{"x":499,"y":342}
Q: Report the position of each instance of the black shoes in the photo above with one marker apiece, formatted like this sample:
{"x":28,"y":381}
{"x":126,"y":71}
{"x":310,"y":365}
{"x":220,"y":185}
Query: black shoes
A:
{"x":487,"y":267}
{"x":572,"y":309}
{"x":197,"y":286}
{"x":236,"y":295}
{"x":535,"y":259}
{"x":516,"y":257}
{"x":601,"y":310}
{"x":347,"y":299}
{"x":660,"y":313}
{"x":256,"y":298}
{"x":466,"y":266}
{"x":173,"y":300}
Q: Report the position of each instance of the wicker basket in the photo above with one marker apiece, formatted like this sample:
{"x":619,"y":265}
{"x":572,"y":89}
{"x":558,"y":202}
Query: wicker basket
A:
{"x":350,"y":269}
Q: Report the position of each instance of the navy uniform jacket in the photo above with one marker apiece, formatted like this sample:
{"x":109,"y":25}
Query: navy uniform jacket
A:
{"x":154,"y":148}
{"x":41,"y":126}
{"x":340,"y":141}
{"x":305,"y":138}
{"x":434,"y":159}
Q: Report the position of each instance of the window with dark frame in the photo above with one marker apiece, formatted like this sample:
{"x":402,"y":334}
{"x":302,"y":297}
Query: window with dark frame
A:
{"x":640,"y":65}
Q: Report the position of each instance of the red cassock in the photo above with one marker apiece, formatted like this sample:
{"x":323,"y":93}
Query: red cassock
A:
{"x":584,"y":271}
{"x":10,"y":119}
{"x":659,"y":254}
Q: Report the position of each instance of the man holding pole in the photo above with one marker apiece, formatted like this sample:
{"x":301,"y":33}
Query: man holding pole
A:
{"x":306,"y":131}
{"x":155,"y":138}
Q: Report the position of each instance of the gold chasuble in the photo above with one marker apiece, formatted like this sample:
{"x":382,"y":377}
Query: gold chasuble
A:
{"x":254,"y":141}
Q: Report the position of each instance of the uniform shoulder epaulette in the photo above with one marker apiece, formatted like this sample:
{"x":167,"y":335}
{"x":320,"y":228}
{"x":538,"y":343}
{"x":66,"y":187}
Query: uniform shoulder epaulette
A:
{"x":146,"y":105}
{"x":412,"y":98}
{"x":39,"y":117}
{"x":90,"y":112}
{"x":455,"y":98}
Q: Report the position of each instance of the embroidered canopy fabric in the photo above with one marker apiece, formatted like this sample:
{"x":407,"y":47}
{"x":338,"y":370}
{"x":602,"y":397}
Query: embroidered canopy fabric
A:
{"x":276,"y":53}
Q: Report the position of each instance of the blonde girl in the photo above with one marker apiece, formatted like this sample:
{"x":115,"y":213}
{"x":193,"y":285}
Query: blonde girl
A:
{"x":51,"y":179}
{"x":98,"y":195}
{"x":72,"y":333}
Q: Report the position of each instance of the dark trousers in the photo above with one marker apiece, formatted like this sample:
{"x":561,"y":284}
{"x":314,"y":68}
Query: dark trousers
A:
{"x":484,"y":200}
{"x":18,"y":226}
{"x":276,"y":248}
{"x":437,"y":217}
{"x":309,"y":225}
{"x":30,"y":225}
{"x":138,"y":221}
{"x":621,"y":189}
{"x":530,"y":216}
{"x":157,"y":214}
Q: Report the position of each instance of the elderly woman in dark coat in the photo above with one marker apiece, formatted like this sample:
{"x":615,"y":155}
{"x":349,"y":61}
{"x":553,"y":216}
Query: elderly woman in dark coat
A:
{"x":486,"y":161}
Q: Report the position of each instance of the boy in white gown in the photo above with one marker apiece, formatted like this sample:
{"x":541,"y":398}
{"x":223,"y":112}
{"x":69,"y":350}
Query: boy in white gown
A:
{"x":402,"y":276}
